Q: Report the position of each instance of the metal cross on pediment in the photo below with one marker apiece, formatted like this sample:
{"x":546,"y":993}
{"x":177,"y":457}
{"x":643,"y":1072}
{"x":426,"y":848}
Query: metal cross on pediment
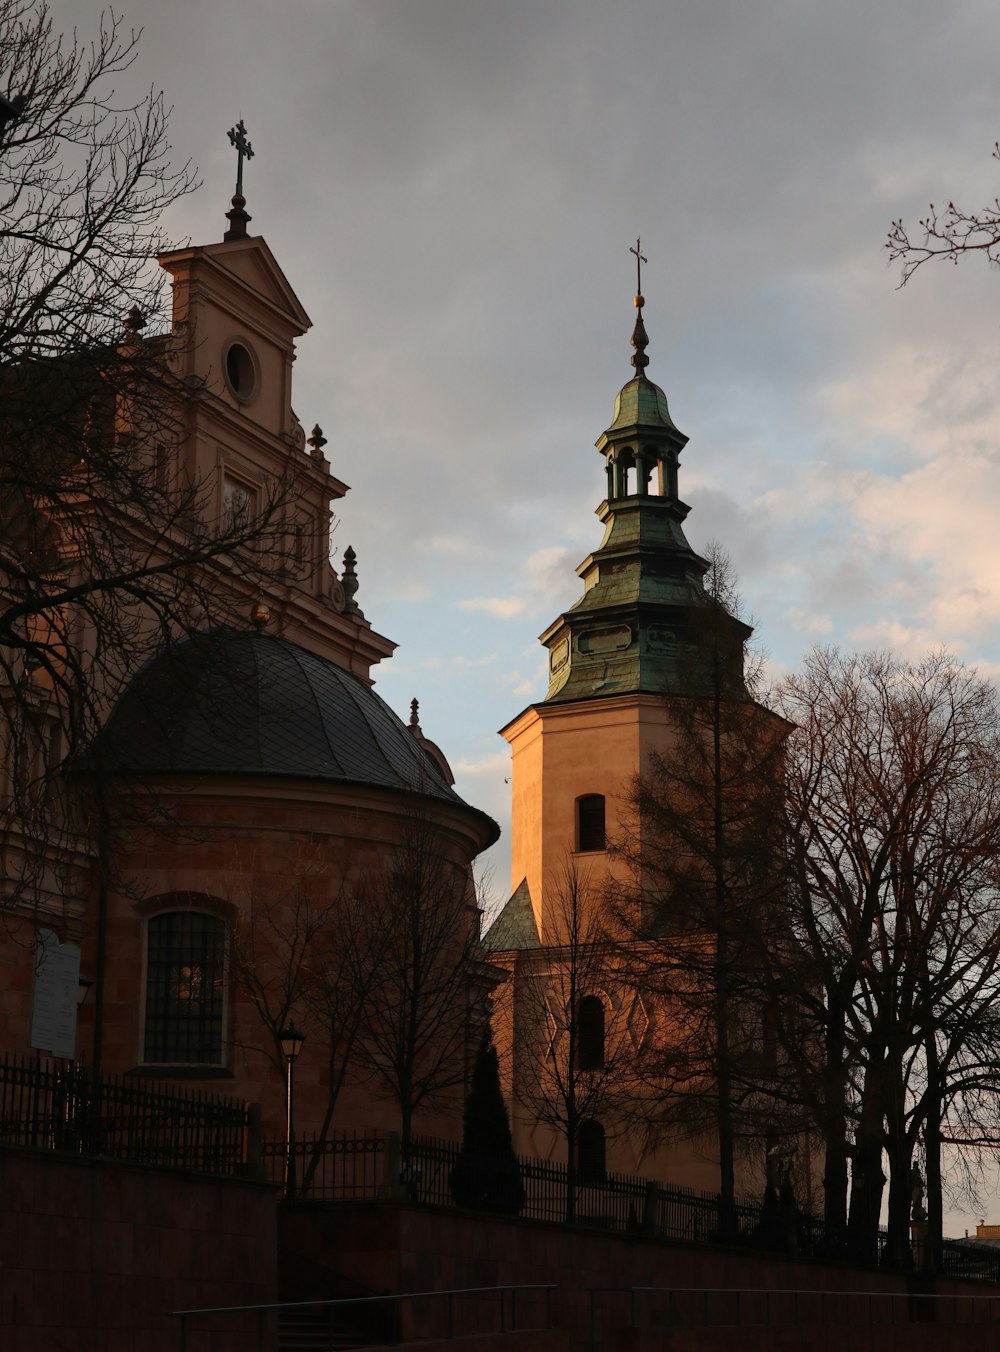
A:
{"x":640,"y":258}
{"x":238,"y":138}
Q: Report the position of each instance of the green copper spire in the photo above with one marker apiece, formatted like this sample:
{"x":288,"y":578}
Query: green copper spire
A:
{"x":629,"y":632}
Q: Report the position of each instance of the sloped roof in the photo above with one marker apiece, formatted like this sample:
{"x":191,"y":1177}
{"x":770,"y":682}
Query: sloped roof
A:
{"x":514,"y":928}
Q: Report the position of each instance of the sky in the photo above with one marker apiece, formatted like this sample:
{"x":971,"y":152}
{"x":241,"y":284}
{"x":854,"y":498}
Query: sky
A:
{"x":452,"y":188}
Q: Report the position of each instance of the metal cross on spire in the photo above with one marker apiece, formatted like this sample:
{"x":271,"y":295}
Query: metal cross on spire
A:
{"x":640,"y":338}
{"x":640,"y":258}
{"x":238,"y":138}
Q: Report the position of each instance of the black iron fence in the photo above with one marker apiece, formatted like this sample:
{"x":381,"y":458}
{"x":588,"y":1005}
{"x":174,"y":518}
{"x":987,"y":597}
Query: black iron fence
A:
{"x":347,"y":1166}
{"x":370,"y":1165}
{"x":967,"y":1258}
{"x":354,"y":1166}
{"x":60,"y":1106}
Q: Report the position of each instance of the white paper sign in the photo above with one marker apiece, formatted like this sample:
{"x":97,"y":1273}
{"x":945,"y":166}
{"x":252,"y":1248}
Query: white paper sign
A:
{"x":53,"y":1006}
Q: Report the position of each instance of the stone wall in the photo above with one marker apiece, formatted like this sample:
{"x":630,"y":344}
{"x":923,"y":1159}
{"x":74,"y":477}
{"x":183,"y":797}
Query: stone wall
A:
{"x":93,"y":1254}
{"x":400,"y":1249}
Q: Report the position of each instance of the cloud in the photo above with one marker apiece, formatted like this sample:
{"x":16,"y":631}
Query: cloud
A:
{"x":908,"y":642}
{"x":812,"y":624}
{"x":545,"y":578}
{"x":504,"y":606}
{"x":496,"y":763}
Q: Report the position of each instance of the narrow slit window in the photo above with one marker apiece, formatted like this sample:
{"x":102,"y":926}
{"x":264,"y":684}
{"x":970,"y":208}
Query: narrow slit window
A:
{"x":590,"y":1034}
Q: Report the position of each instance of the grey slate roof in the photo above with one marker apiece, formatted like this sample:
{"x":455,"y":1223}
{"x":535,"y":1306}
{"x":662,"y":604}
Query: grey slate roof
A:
{"x":240,"y":703}
{"x":514,"y":928}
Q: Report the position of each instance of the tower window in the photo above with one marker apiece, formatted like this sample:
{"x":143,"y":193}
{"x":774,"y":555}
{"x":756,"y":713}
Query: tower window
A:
{"x":185,"y":969}
{"x":591,"y":1152}
{"x":590,"y":1033}
{"x":590,"y":822}
{"x":241,"y":372}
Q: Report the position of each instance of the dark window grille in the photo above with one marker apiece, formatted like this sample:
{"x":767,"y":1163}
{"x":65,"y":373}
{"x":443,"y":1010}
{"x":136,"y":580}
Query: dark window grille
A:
{"x":590,"y":822}
{"x":185,"y":975}
{"x":590,"y":1034}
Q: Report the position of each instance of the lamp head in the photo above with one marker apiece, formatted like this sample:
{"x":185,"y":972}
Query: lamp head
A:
{"x":291,"y":1042}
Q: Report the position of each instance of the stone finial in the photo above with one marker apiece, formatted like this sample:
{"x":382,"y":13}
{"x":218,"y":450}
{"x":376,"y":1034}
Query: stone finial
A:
{"x":317,"y":441}
{"x":238,"y":219}
{"x":134,"y":323}
{"x":414,"y":724}
{"x":349,"y":579}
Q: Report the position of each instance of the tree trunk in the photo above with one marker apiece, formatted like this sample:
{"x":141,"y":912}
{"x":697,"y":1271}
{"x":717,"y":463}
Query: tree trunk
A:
{"x":900,"y":1255}
{"x":572,"y":1135}
{"x":835,"y":1131}
{"x":867,"y":1178}
{"x":932,"y":1147}
{"x":900,"y":1166}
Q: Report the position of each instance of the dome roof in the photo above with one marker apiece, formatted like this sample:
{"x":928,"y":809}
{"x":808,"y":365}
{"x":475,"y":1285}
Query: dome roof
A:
{"x":640,"y":403}
{"x":239,"y":703}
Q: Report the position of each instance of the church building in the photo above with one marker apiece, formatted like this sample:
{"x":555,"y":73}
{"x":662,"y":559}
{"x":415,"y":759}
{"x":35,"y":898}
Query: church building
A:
{"x":570,"y":1024}
{"x":249,"y":788}
{"x":251,"y":820}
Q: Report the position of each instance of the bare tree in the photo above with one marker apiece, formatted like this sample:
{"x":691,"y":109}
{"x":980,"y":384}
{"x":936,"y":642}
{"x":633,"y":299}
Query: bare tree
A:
{"x":307,"y":952}
{"x":705,"y":853}
{"x":573,"y":1048}
{"x":105,"y":553}
{"x":415,"y":1024}
{"x":893,"y":790}
{"x":84,"y":180}
{"x":948,"y":234}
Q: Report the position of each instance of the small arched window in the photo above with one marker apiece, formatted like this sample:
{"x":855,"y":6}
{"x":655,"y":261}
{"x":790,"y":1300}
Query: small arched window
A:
{"x":185,"y":989}
{"x":590,"y":822}
{"x":591,"y":1152}
{"x":590,"y":1034}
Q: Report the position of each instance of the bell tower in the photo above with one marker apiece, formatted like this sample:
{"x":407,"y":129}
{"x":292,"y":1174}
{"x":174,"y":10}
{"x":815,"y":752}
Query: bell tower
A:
{"x":235,"y":323}
{"x":617,"y":657}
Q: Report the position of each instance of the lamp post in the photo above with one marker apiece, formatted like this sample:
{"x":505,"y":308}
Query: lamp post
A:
{"x":291,"y":1044}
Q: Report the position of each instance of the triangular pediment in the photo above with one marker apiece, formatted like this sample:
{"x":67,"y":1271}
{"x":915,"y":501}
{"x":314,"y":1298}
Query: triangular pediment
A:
{"x":251,"y":265}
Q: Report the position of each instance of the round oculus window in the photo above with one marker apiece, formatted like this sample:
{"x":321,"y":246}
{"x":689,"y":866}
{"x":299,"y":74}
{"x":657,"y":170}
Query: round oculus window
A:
{"x":241,"y":371}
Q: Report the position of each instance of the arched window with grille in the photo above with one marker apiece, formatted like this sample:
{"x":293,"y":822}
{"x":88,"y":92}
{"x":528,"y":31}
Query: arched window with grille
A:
{"x":590,"y":822}
{"x":590,"y":1033}
{"x":185,"y":989}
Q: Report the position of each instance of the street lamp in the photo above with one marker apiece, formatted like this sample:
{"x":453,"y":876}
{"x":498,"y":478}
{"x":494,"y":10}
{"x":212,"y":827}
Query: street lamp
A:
{"x":291,"y":1045}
